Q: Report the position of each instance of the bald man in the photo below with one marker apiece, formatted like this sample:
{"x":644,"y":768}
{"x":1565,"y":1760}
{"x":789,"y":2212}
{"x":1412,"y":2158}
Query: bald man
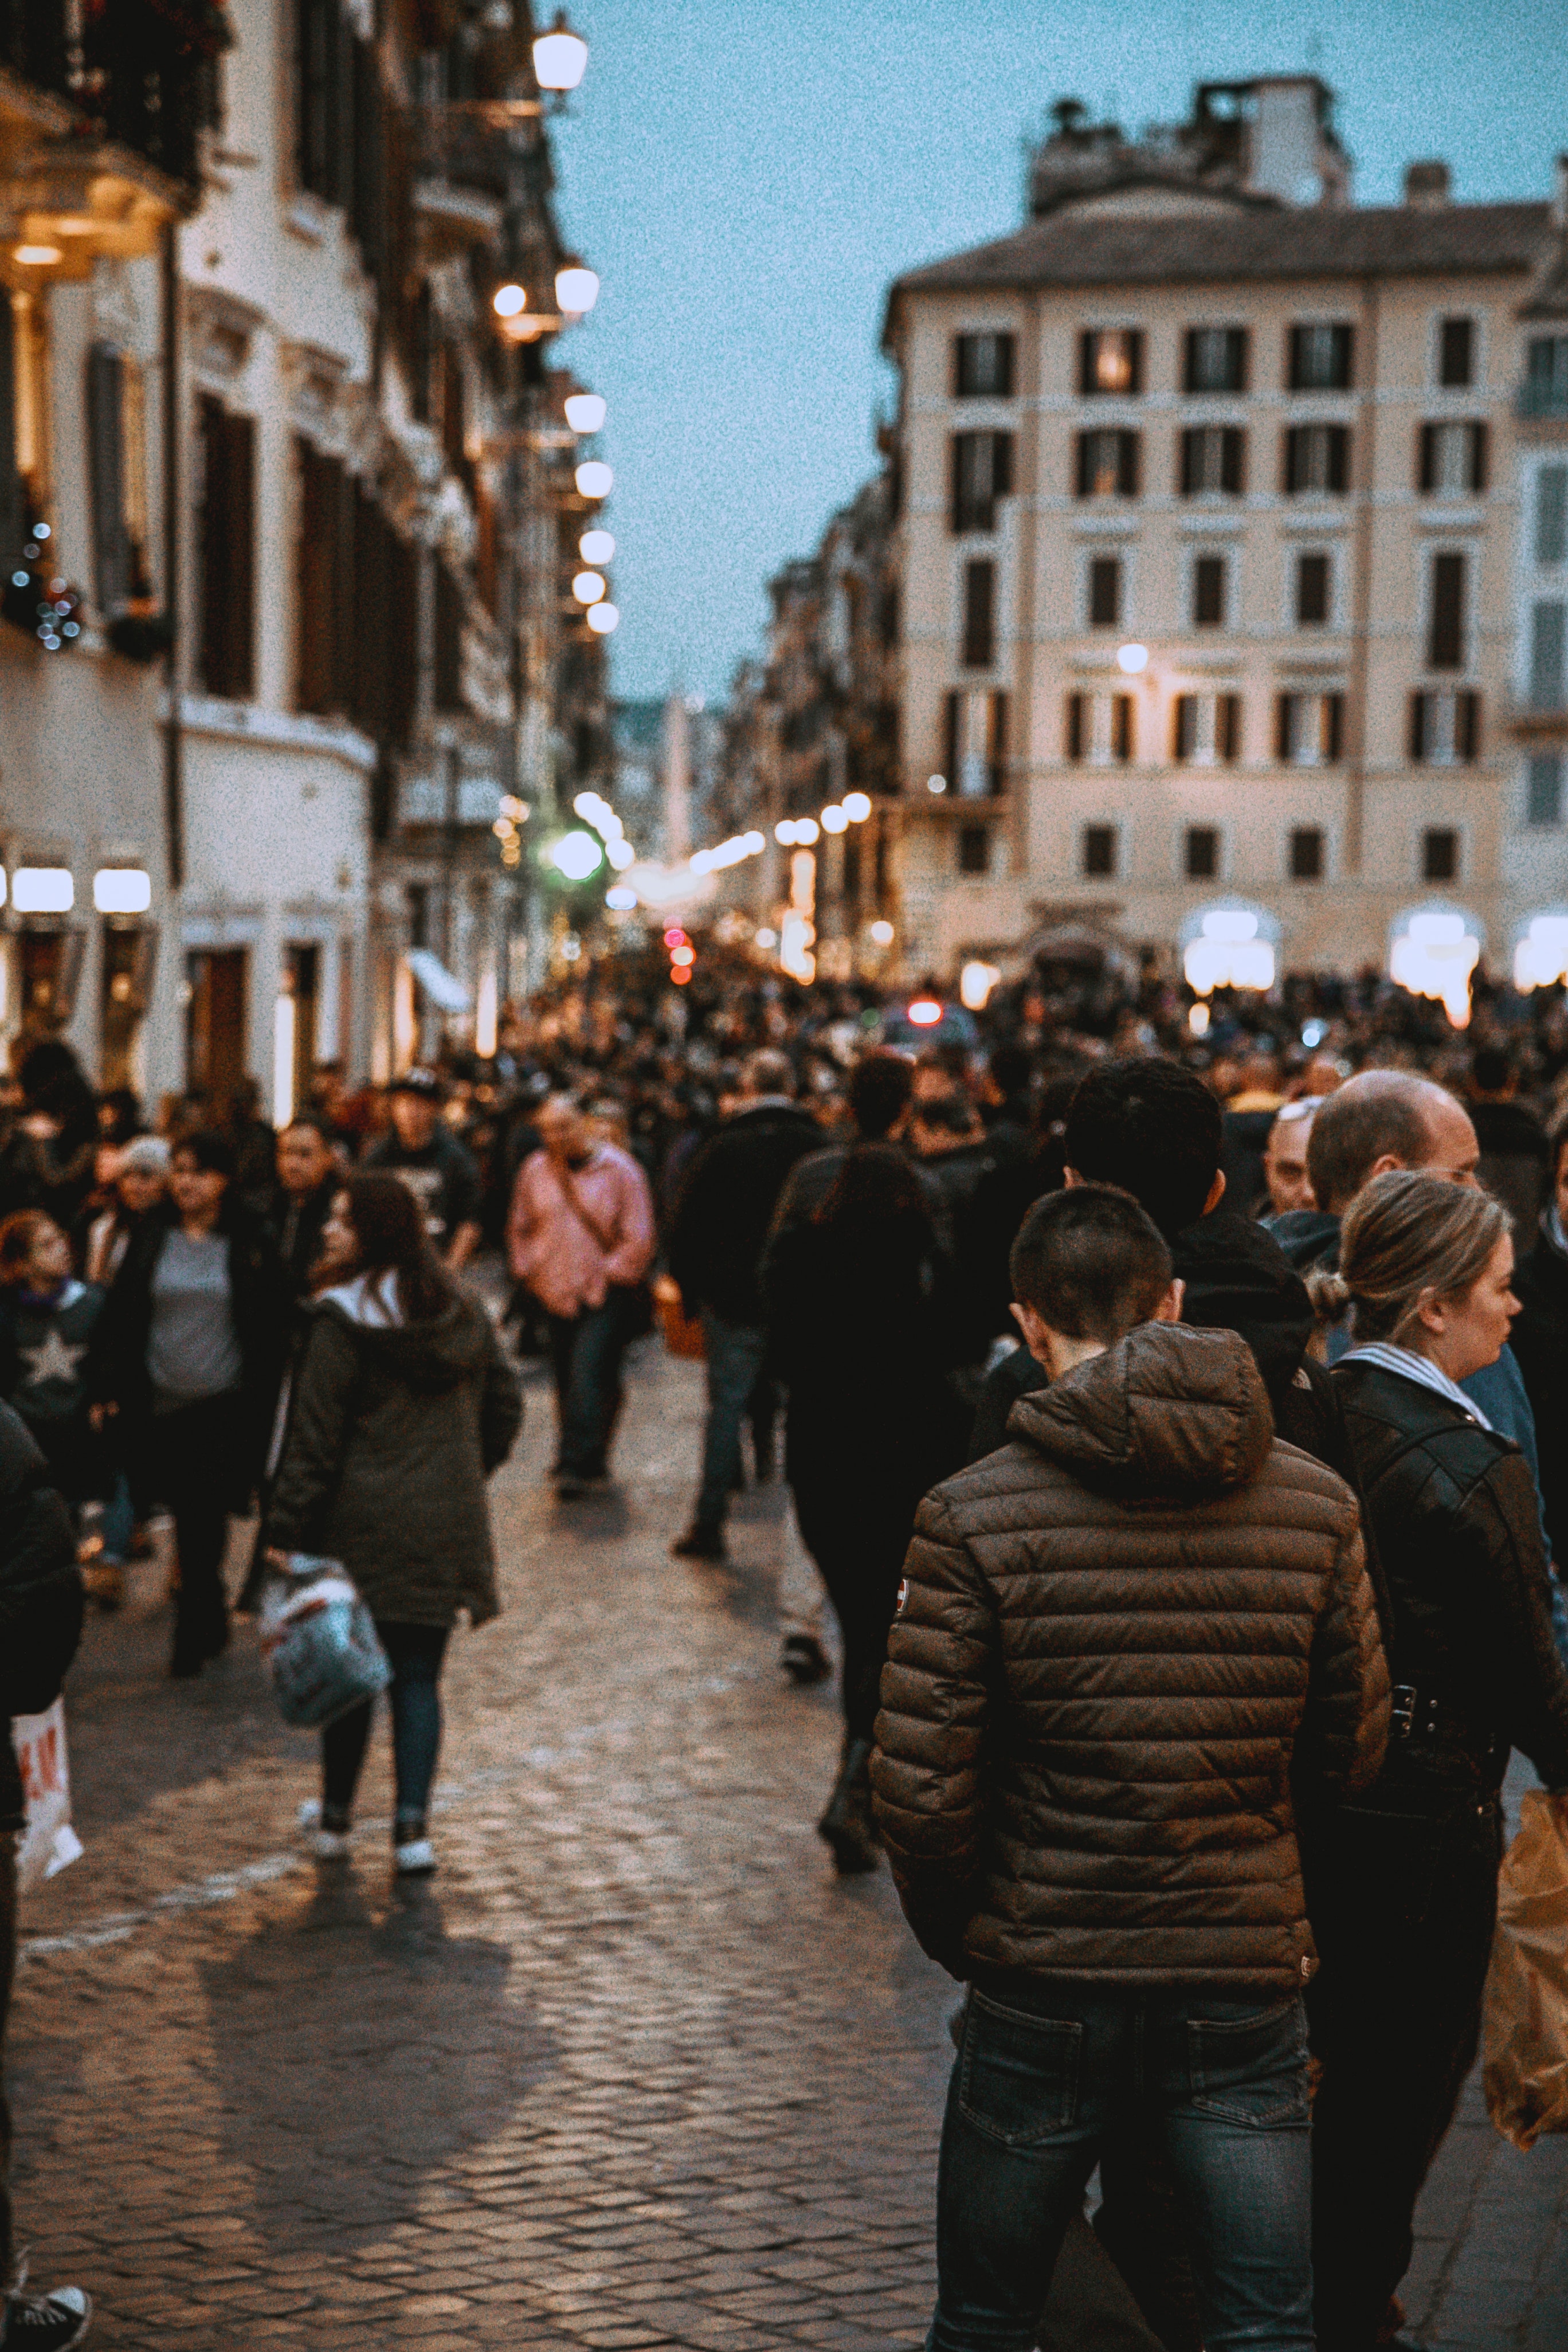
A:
{"x":1384,"y":1119}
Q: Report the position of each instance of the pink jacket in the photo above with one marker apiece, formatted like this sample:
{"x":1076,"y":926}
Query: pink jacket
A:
{"x":556,"y":1252}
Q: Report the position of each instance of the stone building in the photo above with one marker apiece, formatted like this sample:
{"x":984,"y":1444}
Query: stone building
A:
{"x":1216,"y":611}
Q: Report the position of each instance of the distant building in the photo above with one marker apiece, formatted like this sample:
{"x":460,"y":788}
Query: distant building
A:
{"x":1217,"y":617}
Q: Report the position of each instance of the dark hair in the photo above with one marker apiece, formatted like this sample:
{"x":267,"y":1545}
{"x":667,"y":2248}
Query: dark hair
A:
{"x":213,"y":1153}
{"x":1492,"y":1069}
{"x":1012,"y":1067}
{"x":876,"y":1186}
{"x":1379,"y":1112}
{"x":315,"y":1121}
{"x":951,"y":1114}
{"x":1090,"y":1263}
{"x":881,"y":1086}
{"x":389,"y":1226}
{"x":1152,"y":1129}
{"x":19,"y":1237}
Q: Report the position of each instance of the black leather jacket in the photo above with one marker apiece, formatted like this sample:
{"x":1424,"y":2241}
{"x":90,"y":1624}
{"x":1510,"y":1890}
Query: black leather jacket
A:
{"x":1453,"y":1509}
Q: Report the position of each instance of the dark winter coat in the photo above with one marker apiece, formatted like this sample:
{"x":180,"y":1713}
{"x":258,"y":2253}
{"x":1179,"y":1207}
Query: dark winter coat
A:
{"x":40,"y":1595}
{"x":44,"y":1350}
{"x":392,"y":1435}
{"x":1115,"y":1633}
{"x":1515,"y":1161}
{"x":1538,"y":1339}
{"x":1453,"y":1508}
{"x":726,"y":1205}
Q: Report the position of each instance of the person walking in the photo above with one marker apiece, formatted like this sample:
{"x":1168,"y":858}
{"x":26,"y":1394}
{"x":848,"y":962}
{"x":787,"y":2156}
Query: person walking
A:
{"x":401,"y":1407}
{"x":188,"y":1352}
{"x":1118,"y":1640}
{"x":141,"y":1182}
{"x":47,"y":1323}
{"x":581,"y":1237}
{"x":1405,"y":1898}
{"x":40,"y":1625}
{"x":442,"y":1174}
{"x":726,"y":1206}
{"x":1540,"y":1340}
{"x":308,"y":1182}
{"x":860,"y":1315}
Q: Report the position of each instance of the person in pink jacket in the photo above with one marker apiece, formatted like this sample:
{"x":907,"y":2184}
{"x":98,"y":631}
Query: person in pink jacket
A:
{"x":581,"y":1237}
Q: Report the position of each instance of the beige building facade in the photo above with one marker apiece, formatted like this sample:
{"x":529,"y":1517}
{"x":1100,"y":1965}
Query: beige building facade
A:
{"x":1210,"y":553}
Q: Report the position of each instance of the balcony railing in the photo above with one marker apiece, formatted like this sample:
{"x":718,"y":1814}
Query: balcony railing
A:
{"x":142,"y":76}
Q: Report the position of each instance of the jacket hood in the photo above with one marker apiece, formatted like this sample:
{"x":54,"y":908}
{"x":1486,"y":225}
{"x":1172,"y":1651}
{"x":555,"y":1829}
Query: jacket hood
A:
{"x":432,"y":1355}
{"x":1237,"y":1280}
{"x":1166,"y":1412}
{"x":1307,"y":1237}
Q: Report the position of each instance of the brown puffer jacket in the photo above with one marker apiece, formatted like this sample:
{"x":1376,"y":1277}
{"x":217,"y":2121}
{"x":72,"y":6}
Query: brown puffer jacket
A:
{"x":1114,"y":1635}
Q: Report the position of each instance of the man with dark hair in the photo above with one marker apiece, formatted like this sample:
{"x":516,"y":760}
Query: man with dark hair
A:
{"x":1513,"y":1165}
{"x":308,"y":1181}
{"x":442,"y":1173}
{"x":1118,"y":1638}
{"x":880,"y":1087}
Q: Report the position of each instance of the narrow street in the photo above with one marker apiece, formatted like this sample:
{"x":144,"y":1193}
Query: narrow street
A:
{"x":633,"y":2069}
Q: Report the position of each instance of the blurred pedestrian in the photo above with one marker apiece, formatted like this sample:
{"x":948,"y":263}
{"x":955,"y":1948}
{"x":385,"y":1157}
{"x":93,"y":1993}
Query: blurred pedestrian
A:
{"x":401,"y":1407}
{"x":1130,"y":1920}
{"x":1540,"y":1342}
{"x":1513,"y":1149}
{"x":716,"y":1244}
{"x":580,"y":1235}
{"x":189,"y":1353}
{"x":308,"y":1182}
{"x":40,"y":1625}
{"x":860,"y":1317}
{"x":1405,"y":1915}
{"x":440,"y":1172}
{"x":1284,"y":1176}
{"x":47,"y":1323}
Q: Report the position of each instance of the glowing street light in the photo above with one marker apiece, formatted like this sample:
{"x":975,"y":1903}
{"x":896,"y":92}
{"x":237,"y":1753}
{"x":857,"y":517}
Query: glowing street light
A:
{"x":577,"y":855}
{"x":596,"y":546}
{"x":604,"y":619}
{"x":857,"y":807}
{"x":588,"y":587}
{"x":585,"y":411}
{"x":560,"y":57}
{"x":834,"y":819}
{"x":594,"y":478}
{"x":882,"y":934}
{"x":936,"y":784}
{"x":509,"y":301}
{"x":1132,"y":660}
{"x":576,"y":290}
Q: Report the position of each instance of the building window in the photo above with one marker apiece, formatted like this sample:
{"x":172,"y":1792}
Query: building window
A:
{"x":975,"y":849}
{"x":1108,"y":465}
{"x":1099,"y":729}
{"x":117,"y":468}
{"x":1097,"y":852}
{"x":1320,"y":359}
{"x":323,"y":99}
{"x":1317,"y":458}
{"x":1215,"y":360}
{"x":1456,"y":354}
{"x":974,"y":749}
{"x":1314,"y":580}
{"x":1208,"y":592}
{"x":1547,"y":641}
{"x":1546,"y":376}
{"x":1552,"y":515}
{"x":1201,"y":854}
{"x":1446,"y":619}
{"x":979,"y":613}
{"x":982,"y":367}
{"x":1444,"y":727}
{"x":1309,"y":728}
{"x":1214,"y":459}
{"x":1452,"y":460}
{"x":1439,"y":855}
{"x":1111,"y":360}
{"x":982,"y":474}
{"x":226,"y":499}
{"x":1543,"y":789}
{"x":1105,"y":591}
{"x":1208,"y":729}
{"x":1307,"y":853}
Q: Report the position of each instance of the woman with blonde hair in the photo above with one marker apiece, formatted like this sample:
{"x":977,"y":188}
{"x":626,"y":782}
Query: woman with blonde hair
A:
{"x":1403,"y":1890}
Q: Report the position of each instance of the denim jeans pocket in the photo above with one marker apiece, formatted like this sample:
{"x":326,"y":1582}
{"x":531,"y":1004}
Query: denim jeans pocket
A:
{"x":1017,"y":2074}
{"x":1249,"y":2066}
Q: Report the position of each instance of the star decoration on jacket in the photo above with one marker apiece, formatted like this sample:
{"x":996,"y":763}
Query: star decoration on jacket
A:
{"x":56,"y":1359}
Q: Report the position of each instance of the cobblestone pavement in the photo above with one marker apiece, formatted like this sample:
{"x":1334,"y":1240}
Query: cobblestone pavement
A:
{"x":633,"y":2070}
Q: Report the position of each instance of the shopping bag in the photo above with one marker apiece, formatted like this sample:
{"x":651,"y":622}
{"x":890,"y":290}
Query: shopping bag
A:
{"x":1526,"y":2013}
{"x":683,"y":1333}
{"x":318,"y":1641}
{"x":47,"y":1841}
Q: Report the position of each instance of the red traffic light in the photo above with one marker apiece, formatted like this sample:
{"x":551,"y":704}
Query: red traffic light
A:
{"x":675,"y":937}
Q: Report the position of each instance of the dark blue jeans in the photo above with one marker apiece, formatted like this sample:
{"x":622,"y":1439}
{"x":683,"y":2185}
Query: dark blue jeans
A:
{"x":415,"y":1654}
{"x":736,"y":1352}
{"x":1044,"y":2073}
{"x":585,"y":1352}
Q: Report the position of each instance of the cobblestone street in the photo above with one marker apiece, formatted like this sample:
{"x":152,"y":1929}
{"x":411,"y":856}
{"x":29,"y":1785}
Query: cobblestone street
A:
{"x":633,"y":2070}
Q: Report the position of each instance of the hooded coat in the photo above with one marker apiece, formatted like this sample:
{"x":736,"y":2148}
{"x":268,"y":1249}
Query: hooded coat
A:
{"x":1114,"y":1634}
{"x":393,"y":1431}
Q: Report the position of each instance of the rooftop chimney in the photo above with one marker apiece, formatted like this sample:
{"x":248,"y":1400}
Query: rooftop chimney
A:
{"x":1426,"y":186}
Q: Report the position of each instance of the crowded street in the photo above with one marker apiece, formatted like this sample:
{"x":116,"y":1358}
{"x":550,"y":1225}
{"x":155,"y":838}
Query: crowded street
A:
{"x":635,"y":2070}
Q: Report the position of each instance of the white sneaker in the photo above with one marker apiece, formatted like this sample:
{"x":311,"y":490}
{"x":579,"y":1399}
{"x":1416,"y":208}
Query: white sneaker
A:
{"x":328,"y":1845}
{"x":415,"y":1860}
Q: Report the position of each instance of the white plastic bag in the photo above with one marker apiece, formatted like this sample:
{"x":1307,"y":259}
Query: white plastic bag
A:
{"x":47,"y":1841}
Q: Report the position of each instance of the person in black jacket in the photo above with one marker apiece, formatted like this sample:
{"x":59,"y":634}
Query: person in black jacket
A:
{"x":188,"y":1352}
{"x":1540,"y":1342}
{"x":40,"y":1625}
{"x":1405,"y":1902}
{"x":725,"y":1207}
{"x":308,"y":1182}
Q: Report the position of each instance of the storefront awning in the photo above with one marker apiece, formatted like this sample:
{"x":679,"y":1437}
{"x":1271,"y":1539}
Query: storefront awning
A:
{"x":442,"y":987}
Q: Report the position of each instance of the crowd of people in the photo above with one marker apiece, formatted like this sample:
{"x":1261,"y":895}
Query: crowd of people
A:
{"x":1160,"y":1415}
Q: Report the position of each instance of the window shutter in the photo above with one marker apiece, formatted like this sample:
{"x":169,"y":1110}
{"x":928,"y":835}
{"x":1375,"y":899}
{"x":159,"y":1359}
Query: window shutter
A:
{"x":1233,"y":460}
{"x":1075,"y":726}
{"x":951,"y":713}
{"x":1127,"y":464}
{"x":979,"y":613}
{"x":1282,"y":726}
{"x":1467,"y":725}
{"x":957,"y":499}
{"x":1135,"y":356}
{"x":1186,"y":725}
{"x":1229,"y":729}
{"x":1122,"y":728}
{"x":1189,"y":463}
{"x":1548,"y":643}
{"x":1479,"y":456}
{"x":1289,"y":459}
{"x":1001,"y":465}
{"x":1339,"y":456}
{"x":1551,"y":511}
{"x":1333,"y":725}
{"x":1085,"y":465}
{"x":312,"y":589}
{"x":1455,"y":361}
{"x":13,"y":522}
{"x":1416,"y":727}
{"x":1427,"y":458}
{"x":1086,"y":347}
{"x":1104,"y":592}
{"x":996,"y":742}
{"x":106,"y":467}
{"x":228,"y":638}
{"x":1345,"y":358}
{"x":1446,"y":641}
{"x":1296,"y":368}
